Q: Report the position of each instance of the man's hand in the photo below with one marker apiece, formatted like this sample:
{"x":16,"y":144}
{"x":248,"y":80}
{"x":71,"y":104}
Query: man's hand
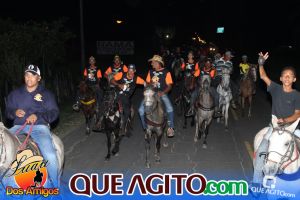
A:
{"x":31,"y":119}
{"x":20,"y":113}
{"x":262,"y":58}
{"x":160,"y":94}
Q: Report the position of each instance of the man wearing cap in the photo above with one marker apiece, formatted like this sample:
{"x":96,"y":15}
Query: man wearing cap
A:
{"x":33,"y":104}
{"x":117,"y":67}
{"x":160,"y":78}
{"x":126,"y":84}
{"x":92,"y":76}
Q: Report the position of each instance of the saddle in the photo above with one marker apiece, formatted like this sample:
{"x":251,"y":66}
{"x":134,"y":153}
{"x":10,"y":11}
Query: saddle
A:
{"x":29,"y":145}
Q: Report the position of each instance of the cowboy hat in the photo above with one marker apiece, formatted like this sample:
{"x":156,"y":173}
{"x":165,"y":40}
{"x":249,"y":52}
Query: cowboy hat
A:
{"x":157,"y":58}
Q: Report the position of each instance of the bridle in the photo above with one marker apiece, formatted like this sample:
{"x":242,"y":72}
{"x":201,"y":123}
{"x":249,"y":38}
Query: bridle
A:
{"x":286,"y":158}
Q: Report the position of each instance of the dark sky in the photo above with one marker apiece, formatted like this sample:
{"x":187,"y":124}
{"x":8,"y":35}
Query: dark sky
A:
{"x":248,"y":23}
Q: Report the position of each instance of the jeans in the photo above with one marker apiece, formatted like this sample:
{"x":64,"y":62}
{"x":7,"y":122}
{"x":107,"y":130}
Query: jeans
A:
{"x":169,"y":109}
{"x":41,"y":135}
{"x":259,"y":161}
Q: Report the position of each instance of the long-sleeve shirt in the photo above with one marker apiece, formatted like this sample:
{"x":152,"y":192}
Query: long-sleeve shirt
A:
{"x":40,"y":102}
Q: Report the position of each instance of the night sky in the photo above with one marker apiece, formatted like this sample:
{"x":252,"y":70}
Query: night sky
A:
{"x":248,"y":23}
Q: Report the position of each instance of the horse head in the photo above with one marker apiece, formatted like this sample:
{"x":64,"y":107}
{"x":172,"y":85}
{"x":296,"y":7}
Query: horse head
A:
{"x":282,"y":150}
{"x":205,"y":82}
{"x":85,"y":92}
{"x":150,"y":98}
{"x":109,"y":103}
{"x":253,"y":72}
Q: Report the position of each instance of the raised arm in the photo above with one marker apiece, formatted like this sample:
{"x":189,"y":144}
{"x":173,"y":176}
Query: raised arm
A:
{"x":263,"y":75}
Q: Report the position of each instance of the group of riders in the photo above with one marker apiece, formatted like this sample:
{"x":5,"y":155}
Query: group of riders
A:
{"x":32,"y":104}
{"x":124,"y":79}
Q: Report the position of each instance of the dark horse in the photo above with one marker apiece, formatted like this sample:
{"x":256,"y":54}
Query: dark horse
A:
{"x":185,"y":97}
{"x":155,"y":120}
{"x":111,"y":121}
{"x":87,"y":98}
{"x":176,"y":70}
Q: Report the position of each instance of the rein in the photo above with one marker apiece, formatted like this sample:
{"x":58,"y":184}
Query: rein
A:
{"x":151,"y":123}
{"x":24,"y":144}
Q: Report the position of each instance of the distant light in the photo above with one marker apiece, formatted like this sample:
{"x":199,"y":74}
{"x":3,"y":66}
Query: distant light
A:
{"x":193,"y":38}
{"x":167,"y":36}
{"x":119,"y":21}
{"x":290,"y":47}
{"x":220,"y":30}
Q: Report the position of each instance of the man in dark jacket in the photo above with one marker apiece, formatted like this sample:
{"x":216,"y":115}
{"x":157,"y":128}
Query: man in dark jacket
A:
{"x":33,"y":104}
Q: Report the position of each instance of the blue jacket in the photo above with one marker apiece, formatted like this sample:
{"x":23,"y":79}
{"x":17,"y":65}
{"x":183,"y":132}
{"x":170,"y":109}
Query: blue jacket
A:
{"x":40,"y":102}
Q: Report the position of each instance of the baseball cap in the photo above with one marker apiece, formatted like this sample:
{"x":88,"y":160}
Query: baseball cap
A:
{"x":228,"y":53}
{"x":33,"y":69}
{"x":132,"y":67}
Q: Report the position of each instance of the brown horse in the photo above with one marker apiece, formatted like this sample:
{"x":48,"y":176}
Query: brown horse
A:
{"x":247,"y":87}
{"x":87,"y":98}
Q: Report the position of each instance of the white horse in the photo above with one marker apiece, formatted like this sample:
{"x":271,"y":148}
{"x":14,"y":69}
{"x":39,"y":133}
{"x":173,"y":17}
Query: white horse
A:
{"x":282,"y":162}
{"x":225,"y":95}
{"x":9,"y":145}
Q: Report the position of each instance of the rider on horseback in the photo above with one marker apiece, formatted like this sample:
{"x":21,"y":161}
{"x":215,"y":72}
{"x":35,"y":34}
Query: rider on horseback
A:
{"x":36,"y":107}
{"x":191,"y":67}
{"x":160,"y":78}
{"x":117,"y":67}
{"x":206,"y":69}
{"x":126,"y":84}
{"x":92,"y":76}
{"x":285,"y":106}
{"x":244,"y":68}
{"x":225,"y":62}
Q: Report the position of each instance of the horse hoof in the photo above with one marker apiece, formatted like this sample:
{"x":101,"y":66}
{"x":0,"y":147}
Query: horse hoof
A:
{"x":107,"y":158}
{"x":148,"y":165}
{"x":204,"y":146}
{"x":195,"y":139}
{"x":157,"y":161}
{"x":184,"y":127}
{"x":165,"y":145}
{"x":226,"y":129}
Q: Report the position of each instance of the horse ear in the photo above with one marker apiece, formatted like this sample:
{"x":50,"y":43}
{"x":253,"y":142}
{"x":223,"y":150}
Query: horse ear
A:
{"x":293,"y":126}
{"x":274,"y":121}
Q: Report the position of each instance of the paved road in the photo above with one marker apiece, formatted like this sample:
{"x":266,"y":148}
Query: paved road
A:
{"x":227,"y":155}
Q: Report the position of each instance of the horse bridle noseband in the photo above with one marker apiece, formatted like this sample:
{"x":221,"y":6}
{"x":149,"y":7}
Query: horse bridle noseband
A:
{"x":287,"y":156}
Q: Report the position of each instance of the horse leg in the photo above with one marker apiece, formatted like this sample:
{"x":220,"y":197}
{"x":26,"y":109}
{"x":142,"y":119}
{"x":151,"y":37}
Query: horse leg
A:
{"x":220,"y":108}
{"x":250,"y":105}
{"x":87,"y":124}
{"x":243,"y":106}
{"x":193,"y":121}
{"x":205,"y":132}
{"x":164,"y":132}
{"x":197,"y":129}
{"x":108,"y":144}
{"x":226,"y":116}
{"x":185,"y":122}
{"x":157,"y":150}
{"x":147,"y":146}
{"x":117,"y":143}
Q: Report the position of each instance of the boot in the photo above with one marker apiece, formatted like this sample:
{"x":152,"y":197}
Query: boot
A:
{"x":76,"y":106}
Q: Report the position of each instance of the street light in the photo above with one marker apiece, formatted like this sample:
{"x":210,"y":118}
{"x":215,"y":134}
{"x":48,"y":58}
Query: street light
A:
{"x":119,"y":21}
